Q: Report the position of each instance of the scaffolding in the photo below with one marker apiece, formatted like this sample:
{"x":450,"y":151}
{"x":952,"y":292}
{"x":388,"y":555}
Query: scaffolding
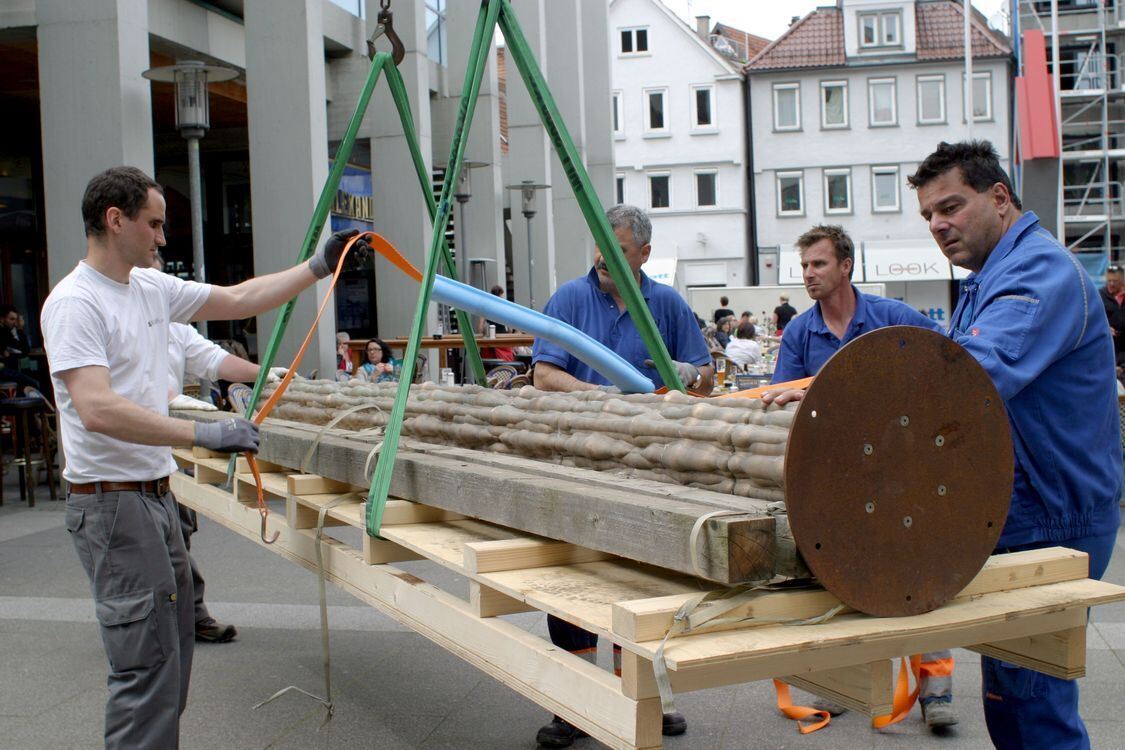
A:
{"x":1086,"y":39}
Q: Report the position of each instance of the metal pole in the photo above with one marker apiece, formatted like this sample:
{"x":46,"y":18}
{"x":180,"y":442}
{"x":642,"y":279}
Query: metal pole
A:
{"x":1056,"y":80}
{"x":530,"y":269}
{"x":196,"y":198}
{"x":968,"y":8}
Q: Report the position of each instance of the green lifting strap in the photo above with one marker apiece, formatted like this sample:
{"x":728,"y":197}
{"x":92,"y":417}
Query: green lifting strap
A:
{"x":380,"y":62}
{"x":491,"y":13}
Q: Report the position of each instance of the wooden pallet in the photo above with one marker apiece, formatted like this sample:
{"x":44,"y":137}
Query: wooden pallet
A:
{"x":1028,"y":608}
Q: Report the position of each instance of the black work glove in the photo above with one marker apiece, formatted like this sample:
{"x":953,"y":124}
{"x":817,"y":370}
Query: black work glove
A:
{"x":323,"y":264}
{"x":236,"y":435}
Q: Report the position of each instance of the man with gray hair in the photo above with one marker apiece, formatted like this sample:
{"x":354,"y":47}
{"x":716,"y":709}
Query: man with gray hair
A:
{"x":593,"y":305}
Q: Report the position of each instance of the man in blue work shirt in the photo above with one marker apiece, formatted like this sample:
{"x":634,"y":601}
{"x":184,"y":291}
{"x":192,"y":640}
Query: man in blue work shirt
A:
{"x":842,"y":313}
{"x":1031,"y":316}
{"x":593,"y":305}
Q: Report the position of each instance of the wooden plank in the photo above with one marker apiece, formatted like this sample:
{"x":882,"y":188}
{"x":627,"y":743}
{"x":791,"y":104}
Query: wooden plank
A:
{"x":379,"y":551}
{"x":274,"y":486}
{"x":650,"y":619}
{"x":488,"y":602}
{"x":510,"y":554}
{"x":645,"y":528}
{"x":242,"y":466}
{"x":981,"y":619}
{"x":303,"y":512}
{"x":560,"y":682}
{"x":1061,"y":654}
{"x":867,"y":688}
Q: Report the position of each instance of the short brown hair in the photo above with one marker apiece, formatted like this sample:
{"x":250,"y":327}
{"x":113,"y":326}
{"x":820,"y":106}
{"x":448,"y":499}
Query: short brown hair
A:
{"x":125,"y":188}
{"x":834,"y":233}
{"x":979,"y":162}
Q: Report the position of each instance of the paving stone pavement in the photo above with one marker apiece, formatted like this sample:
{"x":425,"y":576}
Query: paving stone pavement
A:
{"x":393,"y":688}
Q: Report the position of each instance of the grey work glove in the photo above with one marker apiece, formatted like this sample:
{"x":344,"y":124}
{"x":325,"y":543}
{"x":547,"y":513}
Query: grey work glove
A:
{"x":236,"y":435}
{"x":323,"y":264}
{"x":688,"y":372}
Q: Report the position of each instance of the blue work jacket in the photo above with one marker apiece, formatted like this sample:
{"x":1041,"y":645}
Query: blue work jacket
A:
{"x":1033,"y":319}
{"x":807,"y":343}
{"x":581,"y":303}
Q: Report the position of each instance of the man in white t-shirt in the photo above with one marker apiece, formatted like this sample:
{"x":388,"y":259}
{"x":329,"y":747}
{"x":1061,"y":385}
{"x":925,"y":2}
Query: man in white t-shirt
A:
{"x":105,"y":329}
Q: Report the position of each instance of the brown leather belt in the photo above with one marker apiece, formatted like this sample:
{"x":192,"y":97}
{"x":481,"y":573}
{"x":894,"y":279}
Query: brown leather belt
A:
{"x":153,"y":487}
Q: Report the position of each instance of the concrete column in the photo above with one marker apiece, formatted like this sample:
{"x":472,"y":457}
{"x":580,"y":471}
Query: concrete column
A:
{"x":529,"y":158}
{"x":482,"y":236}
{"x":400,"y":208}
{"x":96,"y":108}
{"x":288,"y":158}
{"x":598,"y":83}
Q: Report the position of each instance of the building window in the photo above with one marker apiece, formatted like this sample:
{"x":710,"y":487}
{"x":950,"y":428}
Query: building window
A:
{"x":884,"y":189}
{"x":620,"y":188}
{"x":437,"y":42}
{"x":618,"y":114}
{"x":786,"y":106}
{"x":790,"y":194}
{"x":833,"y":104}
{"x":703,"y":107}
{"x":634,"y":41}
{"x":660,"y":190}
{"x":882,"y":29}
{"x":982,"y":96}
{"x":881,"y":105}
{"x":656,"y":110}
{"x":706,"y":189}
{"x":837,"y":191}
{"x":931,"y":100}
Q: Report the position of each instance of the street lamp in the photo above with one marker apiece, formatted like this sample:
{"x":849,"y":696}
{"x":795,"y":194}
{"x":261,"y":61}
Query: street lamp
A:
{"x":193,"y":118}
{"x":527,"y":190}
{"x":463,"y":194}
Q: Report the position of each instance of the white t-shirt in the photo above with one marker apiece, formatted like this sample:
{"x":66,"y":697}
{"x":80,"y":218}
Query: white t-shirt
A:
{"x":90,"y":319}
{"x":190,"y":353}
{"x":744,"y":351}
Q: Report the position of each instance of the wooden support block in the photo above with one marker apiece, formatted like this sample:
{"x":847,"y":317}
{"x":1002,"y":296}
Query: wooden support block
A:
{"x":649,"y":619}
{"x":1061,"y":654}
{"x":312,"y":484}
{"x":380,"y":551}
{"x":200,"y":452}
{"x":518,"y":554}
{"x":304,"y":512}
{"x":488,"y":602}
{"x":205,"y":475}
{"x":638,"y":681}
{"x":867,"y":688}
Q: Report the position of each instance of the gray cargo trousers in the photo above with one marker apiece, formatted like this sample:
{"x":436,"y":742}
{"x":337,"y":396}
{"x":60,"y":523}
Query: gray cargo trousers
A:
{"x":132,"y":548}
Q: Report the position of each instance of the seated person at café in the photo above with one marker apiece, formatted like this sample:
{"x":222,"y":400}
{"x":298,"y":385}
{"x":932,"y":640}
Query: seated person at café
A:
{"x":379,"y":364}
{"x":743,"y":350}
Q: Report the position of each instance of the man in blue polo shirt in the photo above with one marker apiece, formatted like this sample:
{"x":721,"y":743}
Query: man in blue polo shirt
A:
{"x":842,"y":313}
{"x":1031,"y":316}
{"x":593,"y":305}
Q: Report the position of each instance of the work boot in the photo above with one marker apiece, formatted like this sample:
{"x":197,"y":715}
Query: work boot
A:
{"x":674,"y":724}
{"x":938,"y":715}
{"x":833,"y":708}
{"x":209,"y":631}
{"x":559,"y":733}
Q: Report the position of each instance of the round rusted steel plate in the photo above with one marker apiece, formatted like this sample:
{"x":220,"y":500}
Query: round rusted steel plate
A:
{"x":898,"y":471}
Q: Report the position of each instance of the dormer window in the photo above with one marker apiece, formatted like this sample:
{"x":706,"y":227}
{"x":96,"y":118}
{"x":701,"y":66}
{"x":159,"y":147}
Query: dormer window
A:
{"x":880,"y":29}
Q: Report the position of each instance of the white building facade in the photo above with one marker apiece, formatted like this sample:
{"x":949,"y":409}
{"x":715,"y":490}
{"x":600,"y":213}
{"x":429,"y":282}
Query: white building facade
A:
{"x":680,"y":144}
{"x":844,"y":107}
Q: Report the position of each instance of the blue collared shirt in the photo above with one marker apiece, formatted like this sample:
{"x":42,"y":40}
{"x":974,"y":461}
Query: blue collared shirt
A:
{"x":581,"y":303}
{"x":1033,"y":319}
{"x":807,"y":343}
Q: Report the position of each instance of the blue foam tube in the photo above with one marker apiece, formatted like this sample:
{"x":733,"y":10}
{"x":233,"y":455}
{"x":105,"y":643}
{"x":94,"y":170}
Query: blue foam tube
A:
{"x":594,"y":353}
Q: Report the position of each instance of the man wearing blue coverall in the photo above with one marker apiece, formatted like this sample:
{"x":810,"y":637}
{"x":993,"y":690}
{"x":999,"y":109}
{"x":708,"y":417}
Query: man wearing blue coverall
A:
{"x":593,"y":305}
{"x":840,"y":314}
{"x":1031,"y":316}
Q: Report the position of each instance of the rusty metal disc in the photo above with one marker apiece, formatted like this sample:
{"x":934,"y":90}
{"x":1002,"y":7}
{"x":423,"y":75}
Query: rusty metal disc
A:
{"x":898,"y":471}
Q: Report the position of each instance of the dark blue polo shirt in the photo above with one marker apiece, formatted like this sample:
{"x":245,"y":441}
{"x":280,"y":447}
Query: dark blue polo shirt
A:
{"x":581,"y":303}
{"x":807,"y":343}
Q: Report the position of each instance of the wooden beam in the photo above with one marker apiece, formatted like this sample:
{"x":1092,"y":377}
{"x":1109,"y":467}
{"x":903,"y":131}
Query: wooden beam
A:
{"x":562,"y":683}
{"x":1061,"y":654}
{"x":646,"y":528}
{"x":650,"y":619}
{"x":867,"y":688}
{"x":523,"y":553}
{"x":488,"y":602}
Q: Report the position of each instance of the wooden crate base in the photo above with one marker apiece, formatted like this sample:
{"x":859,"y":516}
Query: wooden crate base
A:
{"x":1028,"y":608}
